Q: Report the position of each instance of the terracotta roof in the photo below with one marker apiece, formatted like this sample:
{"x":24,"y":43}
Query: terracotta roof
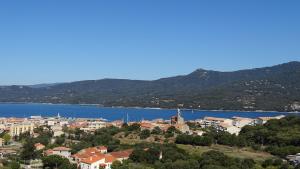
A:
{"x":225,"y":125}
{"x":91,"y":151}
{"x":147,"y":125}
{"x":241,"y":118}
{"x":61,"y":149}
{"x":214,"y":119}
{"x":102,"y":148}
{"x":38,"y":144}
{"x":109,"y":158}
{"x":93,"y":159}
{"x":122,"y":154}
{"x":49,"y":152}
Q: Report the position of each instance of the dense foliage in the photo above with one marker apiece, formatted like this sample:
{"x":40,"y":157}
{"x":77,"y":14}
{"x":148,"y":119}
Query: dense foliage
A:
{"x":279,"y":137}
{"x":282,"y":137}
{"x":57,"y":162}
{"x":170,"y":157}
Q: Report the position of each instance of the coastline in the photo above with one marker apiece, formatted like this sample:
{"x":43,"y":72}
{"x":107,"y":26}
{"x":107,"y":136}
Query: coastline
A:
{"x":154,"y":108}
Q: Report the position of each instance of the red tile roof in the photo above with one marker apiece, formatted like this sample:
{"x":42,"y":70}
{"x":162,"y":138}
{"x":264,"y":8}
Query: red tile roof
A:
{"x":109,"y":158}
{"x":93,"y":159}
{"x":122,"y":154}
{"x":61,"y":149}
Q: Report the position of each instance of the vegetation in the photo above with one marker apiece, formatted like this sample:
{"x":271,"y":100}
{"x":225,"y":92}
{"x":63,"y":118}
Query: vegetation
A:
{"x":213,"y":150}
{"x":281,"y":137}
{"x":269,"y":88}
{"x":57,"y":162}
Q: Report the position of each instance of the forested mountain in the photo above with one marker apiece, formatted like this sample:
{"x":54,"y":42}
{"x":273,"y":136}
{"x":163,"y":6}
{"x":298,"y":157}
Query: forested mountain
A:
{"x":268,"y":88}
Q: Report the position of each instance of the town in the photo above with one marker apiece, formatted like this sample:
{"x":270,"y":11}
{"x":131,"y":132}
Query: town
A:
{"x":64,"y":134}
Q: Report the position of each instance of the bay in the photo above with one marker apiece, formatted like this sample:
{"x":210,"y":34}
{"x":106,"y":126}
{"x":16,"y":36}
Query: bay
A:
{"x":134,"y":114}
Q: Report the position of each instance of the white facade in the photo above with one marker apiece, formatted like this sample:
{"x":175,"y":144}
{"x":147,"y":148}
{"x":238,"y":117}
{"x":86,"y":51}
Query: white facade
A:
{"x":17,"y":129}
{"x":240,"y":122}
{"x":96,"y":125}
{"x":61,"y":152}
{"x":93,"y":165}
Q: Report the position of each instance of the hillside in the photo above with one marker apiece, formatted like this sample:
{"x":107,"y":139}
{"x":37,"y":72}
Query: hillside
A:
{"x":268,"y":88}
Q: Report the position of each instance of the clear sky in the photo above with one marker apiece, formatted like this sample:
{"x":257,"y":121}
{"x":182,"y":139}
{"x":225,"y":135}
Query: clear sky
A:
{"x":46,"y":41}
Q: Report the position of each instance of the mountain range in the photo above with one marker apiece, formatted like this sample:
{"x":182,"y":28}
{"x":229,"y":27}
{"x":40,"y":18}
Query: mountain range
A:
{"x":275,"y":88}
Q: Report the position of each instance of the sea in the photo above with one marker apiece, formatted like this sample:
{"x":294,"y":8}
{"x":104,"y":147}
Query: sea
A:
{"x":119,"y":113}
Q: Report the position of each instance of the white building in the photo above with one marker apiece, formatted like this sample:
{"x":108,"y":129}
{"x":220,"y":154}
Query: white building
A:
{"x":61,"y":151}
{"x":94,"y":125}
{"x":263,"y":120}
{"x":214,"y":121}
{"x":240,"y":122}
{"x":229,"y":128}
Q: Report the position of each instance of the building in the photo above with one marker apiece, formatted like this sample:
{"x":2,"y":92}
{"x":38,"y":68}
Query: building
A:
{"x":214,"y":121}
{"x":147,"y":125}
{"x":178,"y":119}
{"x":57,"y":130}
{"x":97,"y":157}
{"x":117,"y":123}
{"x":19,"y":128}
{"x":103,"y":161}
{"x":88,"y":152}
{"x":294,"y":159}
{"x":178,"y":122}
{"x":229,"y":128}
{"x":240,"y":122}
{"x":122,"y":155}
{"x":263,"y":120}
{"x":94,"y":125}
{"x":39,"y":146}
{"x":1,"y":142}
{"x":61,"y":151}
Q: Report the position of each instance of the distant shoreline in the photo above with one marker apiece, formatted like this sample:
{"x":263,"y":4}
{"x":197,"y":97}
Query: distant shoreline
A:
{"x":154,"y":108}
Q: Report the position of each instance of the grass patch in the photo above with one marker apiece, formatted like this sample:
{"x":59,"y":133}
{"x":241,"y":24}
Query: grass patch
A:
{"x":230,"y":151}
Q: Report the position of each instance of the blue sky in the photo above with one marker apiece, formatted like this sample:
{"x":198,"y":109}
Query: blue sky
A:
{"x":69,"y":40}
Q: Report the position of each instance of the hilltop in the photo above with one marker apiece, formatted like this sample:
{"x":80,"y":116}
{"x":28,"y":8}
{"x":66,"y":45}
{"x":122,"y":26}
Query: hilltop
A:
{"x":268,"y":88}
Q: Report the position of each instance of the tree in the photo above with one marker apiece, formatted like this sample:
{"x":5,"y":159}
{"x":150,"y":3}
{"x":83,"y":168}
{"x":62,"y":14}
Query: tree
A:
{"x":156,"y":130}
{"x":145,"y":134}
{"x":173,"y":129}
{"x":28,"y":151}
{"x":6,"y":138}
{"x":116,"y":165}
{"x":134,"y":127}
{"x":247,"y":164}
{"x":14,"y":165}
{"x":55,"y":161}
{"x":59,"y":140}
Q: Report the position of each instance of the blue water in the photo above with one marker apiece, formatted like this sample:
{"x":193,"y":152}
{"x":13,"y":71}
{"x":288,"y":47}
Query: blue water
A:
{"x":135,"y":114}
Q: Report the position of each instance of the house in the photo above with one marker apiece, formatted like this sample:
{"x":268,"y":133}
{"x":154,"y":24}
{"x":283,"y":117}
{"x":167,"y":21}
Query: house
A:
{"x":263,"y":120}
{"x":88,"y":152}
{"x":240,"y":122}
{"x":294,"y":159}
{"x":122,"y":155}
{"x":61,"y":151}
{"x":92,"y":158}
{"x":39,"y":146}
{"x":146,"y":125}
{"x":229,"y":128}
{"x":117,"y":123}
{"x":57,"y":130}
{"x":214,"y":121}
